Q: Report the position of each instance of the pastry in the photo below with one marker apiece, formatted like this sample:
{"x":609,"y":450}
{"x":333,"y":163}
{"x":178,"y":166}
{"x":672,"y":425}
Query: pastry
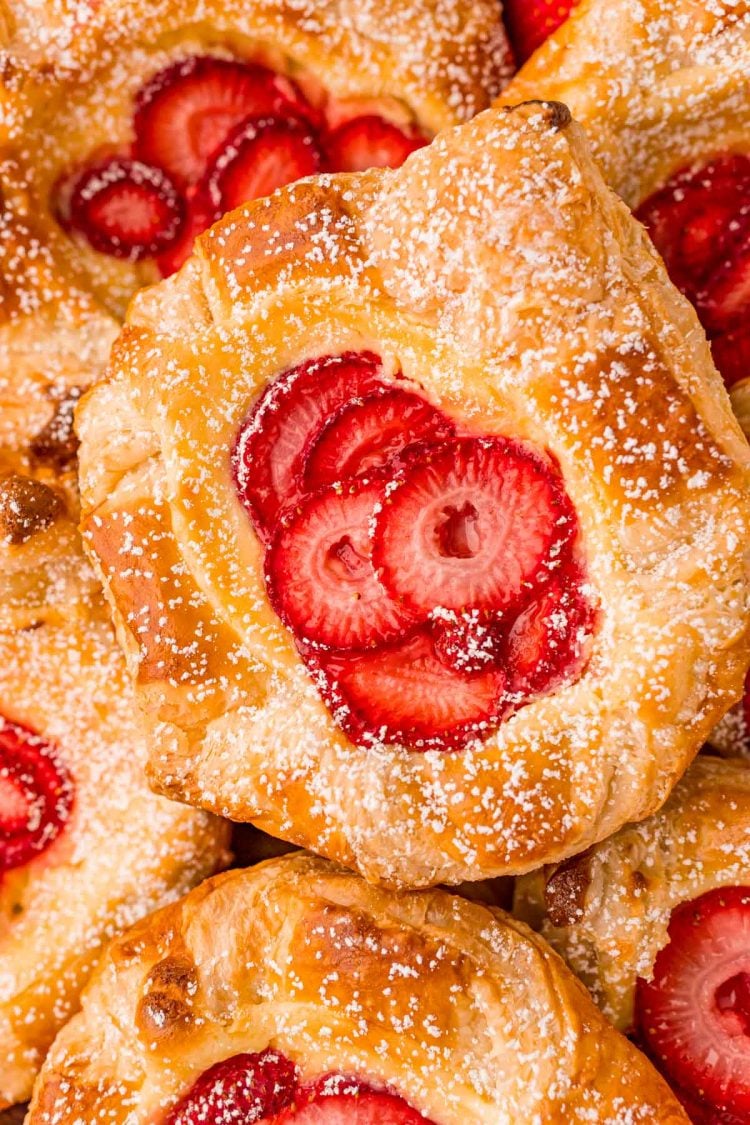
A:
{"x":663,"y":90}
{"x":407,"y":567}
{"x":296,"y":992}
{"x":655,"y":921}
{"x":134,"y":126}
{"x":85,"y":847}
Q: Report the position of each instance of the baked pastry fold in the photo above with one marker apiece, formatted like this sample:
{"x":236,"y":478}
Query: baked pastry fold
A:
{"x":434,"y":999}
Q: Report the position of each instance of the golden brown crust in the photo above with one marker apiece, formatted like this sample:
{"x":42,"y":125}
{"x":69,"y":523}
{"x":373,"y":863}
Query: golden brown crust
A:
{"x":72,"y":71}
{"x":124,"y":851}
{"x":658,"y":86}
{"x":627,"y":887}
{"x":426,"y":993}
{"x":559,"y":325}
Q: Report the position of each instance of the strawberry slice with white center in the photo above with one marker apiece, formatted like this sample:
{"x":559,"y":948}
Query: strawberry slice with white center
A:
{"x":185,"y":113}
{"x":370,"y":142}
{"x":546,"y":643}
{"x":270,"y":450}
{"x":36,"y":795}
{"x":263,"y":154}
{"x":530,"y":22}
{"x":473,"y":524}
{"x":694,"y":1015}
{"x":364,"y":435}
{"x":406,"y":695}
{"x":126,"y":209}
{"x":319,"y":572}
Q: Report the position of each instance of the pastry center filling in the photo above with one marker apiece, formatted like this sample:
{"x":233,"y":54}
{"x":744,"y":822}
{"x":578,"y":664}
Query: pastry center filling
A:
{"x":36,"y":795}
{"x":458,"y":533}
{"x":267,"y":1088}
{"x":212,"y":134}
{"x":700,"y":224}
{"x":694,"y":1014}
{"x":432,"y":581}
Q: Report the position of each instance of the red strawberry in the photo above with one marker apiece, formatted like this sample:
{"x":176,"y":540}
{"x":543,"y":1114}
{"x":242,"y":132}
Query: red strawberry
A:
{"x":469,"y":642}
{"x":320,"y":576}
{"x":731,"y":352}
{"x":263,"y":154}
{"x":36,"y":795}
{"x":185,"y":113}
{"x":695,"y":1013}
{"x":268,"y":457}
{"x":335,"y":1100}
{"x":242,"y":1088}
{"x":405,"y":694}
{"x":472,"y":524}
{"x":370,"y":142}
{"x":545,"y":644}
{"x":530,"y":22}
{"x":200,"y":215}
{"x":726,"y":302}
{"x":126,"y":209}
{"x":363,"y":435}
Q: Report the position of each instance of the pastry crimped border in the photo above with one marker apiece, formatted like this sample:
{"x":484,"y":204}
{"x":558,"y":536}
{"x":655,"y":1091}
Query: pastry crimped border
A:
{"x":607,"y":911}
{"x":593,"y":354}
{"x":427,"y":994}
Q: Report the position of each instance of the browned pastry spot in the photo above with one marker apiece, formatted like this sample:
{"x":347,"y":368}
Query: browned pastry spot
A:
{"x":565,"y":891}
{"x":56,"y":444}
{"x":26,"y":507}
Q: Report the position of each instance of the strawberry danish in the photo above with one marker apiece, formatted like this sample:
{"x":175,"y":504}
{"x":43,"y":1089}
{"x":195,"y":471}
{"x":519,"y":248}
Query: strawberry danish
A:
{"x":408,"y":564}
{"x":656,"y":922}
{"x":295,"y":992}
{"x":663,"y":90}
{"x":136,"y":126}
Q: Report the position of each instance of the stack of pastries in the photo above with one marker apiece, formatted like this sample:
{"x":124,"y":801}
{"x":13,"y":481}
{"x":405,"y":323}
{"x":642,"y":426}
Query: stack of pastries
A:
{"x":374,"y":570}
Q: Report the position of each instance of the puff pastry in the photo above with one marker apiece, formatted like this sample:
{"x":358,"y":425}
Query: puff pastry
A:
{"x":496,"y":281}
{"x":422,"y":1000}
{"x":608,"y":910}
{"x":112,"y":111}
{"x":663,"y":90}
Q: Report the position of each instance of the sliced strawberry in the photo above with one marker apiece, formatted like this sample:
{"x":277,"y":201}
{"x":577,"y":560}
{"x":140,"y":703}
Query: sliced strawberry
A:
{"x":200,"y":216}
{"x":726,"y":302}
{"x":320,"y":575}
{"x":333,"y":1100}
{"x":406,"y":695}
{"x":695,"y":1013}
{"x":268,"y":456}
{"x":126,"y":209}
{"x":530,"y":22}
{"x":242,"y":1088}
{"x":731,"y":351}
{"x":546,"y":642}
{"x":36,"y":795}
{"x":370,"y":142}
{"x":473,"y":524}
{"x":263,"y":154}
{"x":469,"y":642}
{"x":185,"y":113}
{"x":365,"y":434}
